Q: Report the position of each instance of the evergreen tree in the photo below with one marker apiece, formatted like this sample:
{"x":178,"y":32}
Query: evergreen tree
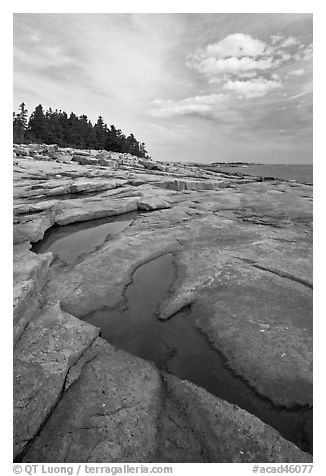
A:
{"x":142,"y":150}
{"x":18,"y":129}
{"x":73,"y":138}
{"x":87,"y":136}
{"x":63,"y":128}
{"x":100,"y":130}
{"x":37,"y":126}
{"x":23,"y":113}
{"x":53,"y":135}
{"x":115,"y":140}
{"x":90,"y":136}
{"x":20,"y":124}
{"x":55,"y":127}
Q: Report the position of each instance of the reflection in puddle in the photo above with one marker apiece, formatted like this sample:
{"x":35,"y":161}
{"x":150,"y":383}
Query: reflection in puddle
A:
{"x":70,"y":241}
{"x":179,"y":347}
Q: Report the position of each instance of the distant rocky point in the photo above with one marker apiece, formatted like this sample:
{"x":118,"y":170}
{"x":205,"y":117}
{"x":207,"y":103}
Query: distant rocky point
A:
{"x":235,"y":164}
{"x":67,"y":155}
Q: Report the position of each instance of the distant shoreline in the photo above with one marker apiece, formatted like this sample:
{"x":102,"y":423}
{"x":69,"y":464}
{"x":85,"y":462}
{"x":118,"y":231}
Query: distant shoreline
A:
{"x":300,"y":173}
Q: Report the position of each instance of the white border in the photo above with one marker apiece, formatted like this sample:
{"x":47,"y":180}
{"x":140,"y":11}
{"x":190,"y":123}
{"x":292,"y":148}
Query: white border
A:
{"x":168,"y":6}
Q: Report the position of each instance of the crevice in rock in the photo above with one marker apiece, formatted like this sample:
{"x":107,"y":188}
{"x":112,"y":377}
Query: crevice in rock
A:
{"x":168,"y":406}
{"x":19,"y":457}
{"x":281,"y":274}
{"x":282,"y":240}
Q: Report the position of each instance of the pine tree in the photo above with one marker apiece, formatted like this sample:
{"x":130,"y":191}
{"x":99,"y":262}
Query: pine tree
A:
{"x":87,"y":137}
{"x":23,"y":113}
{"x":142,"y":150}
{"x":20,"y":124}
{"x":100,"y":130}
{"x":73,"y":136}
{"x":90,"y":136}
{"x":55,"y":127}
{"x":37,"y":126}
{"x":18,"y":129}
{"x":63,"y":128}
{"x":132,"y":145}
{"x":115,"y":140}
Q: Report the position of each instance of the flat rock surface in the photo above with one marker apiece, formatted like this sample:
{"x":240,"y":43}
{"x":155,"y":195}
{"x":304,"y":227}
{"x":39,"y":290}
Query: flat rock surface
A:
{"x":242,"y":251}
{"x":122,"y":409}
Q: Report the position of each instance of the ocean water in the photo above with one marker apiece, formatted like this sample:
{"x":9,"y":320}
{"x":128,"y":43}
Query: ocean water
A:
{"x":298,"y":172}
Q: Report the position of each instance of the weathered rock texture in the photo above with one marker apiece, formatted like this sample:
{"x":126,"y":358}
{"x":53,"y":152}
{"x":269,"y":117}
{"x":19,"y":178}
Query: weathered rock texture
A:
{"x":242,"y":250}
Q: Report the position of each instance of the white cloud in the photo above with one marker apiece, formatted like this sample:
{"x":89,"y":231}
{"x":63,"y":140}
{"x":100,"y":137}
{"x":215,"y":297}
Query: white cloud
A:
{"x":192,"y":105}
{"x":212,"y":66}
{"x":243,"y":56}
{"x":304,"y":53}
{"x":290,"y":41}
{"x":235,"y":54}
{"x":243,"y":65}
{"x":237,"y":45}
{"x":285,"y":56}
{"x":254,"y":88}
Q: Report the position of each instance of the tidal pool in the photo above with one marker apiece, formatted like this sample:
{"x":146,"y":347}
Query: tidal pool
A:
{"x":179,"y":347}
{"x":68,"y":242}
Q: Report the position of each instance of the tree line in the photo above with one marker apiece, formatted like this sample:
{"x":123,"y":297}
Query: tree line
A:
{"x":56,"y":127}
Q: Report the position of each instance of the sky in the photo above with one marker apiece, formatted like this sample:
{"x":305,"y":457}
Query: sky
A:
{"x":194,"y":87}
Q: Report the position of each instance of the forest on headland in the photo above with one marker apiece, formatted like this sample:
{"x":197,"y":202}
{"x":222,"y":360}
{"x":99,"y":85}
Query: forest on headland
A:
{"x":56,"y":127}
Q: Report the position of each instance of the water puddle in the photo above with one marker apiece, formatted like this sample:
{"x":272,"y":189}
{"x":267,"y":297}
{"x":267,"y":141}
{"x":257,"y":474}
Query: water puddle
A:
{"x":71,"y":241}
{"x":177,"y":346}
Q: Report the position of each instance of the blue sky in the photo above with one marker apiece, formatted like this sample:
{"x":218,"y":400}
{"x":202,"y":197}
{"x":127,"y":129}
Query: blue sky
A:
{"x":194,"y":87}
